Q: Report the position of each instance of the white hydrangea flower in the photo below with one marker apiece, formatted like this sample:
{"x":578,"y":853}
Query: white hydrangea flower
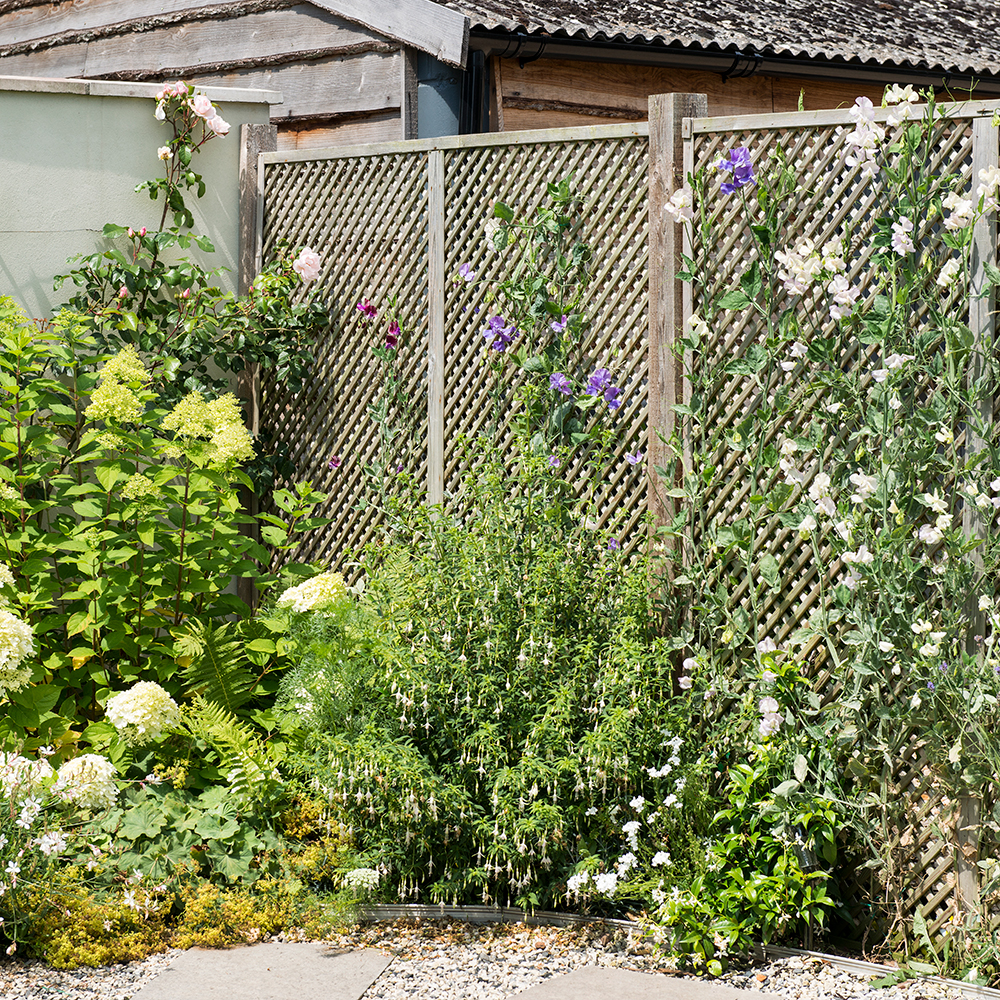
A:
{"x":17,"y":643}
{"x":142,"y":713}
{"x":87,"y":781}
{"x":327,"y":588}
{"x":6,"y":577}
{"x":21,"y":777}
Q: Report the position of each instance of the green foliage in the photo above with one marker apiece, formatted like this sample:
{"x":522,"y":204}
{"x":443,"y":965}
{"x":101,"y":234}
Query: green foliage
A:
{"x":121,"y":524}
{"x":499,"y":677}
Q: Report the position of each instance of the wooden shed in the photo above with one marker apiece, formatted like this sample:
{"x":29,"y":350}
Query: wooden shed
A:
{"x":367,"y":70}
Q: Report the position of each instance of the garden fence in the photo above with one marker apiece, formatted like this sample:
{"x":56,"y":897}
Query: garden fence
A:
{"x":395,"y":221}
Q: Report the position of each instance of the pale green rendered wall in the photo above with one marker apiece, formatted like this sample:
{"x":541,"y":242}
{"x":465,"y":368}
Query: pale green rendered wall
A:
{"x":71,"y":154}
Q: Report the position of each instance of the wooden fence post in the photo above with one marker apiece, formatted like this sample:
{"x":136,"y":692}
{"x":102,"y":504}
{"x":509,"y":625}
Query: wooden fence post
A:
{"x":254,"y":140}
{"x":666,"y":294}
{"x":982,"y":303}
{"x":435,"y":326}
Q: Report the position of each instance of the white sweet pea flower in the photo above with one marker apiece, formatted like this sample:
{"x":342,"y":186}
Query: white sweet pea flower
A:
{"x":898,"y":360}
{"x":766,"y":646}
{"x":930,"y":534}
{"x":807,"y":525}
{"x":948,"y":273}
{"x":902,"y":242}
{"x":961,"y":211}
{"x":767,"y":705}
{"x":885,"y":646}
{"x":680,"y":206}
{"x":862,"y":557}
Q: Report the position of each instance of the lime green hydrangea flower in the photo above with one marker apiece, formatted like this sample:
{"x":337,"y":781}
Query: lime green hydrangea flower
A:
{"x":209,"y":431}
{"x":115,"y":398}
{"x":320,"y":591}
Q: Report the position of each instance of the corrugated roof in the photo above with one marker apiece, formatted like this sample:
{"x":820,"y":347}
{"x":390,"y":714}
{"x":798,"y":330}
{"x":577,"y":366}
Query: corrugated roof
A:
{"x":959,"y":36}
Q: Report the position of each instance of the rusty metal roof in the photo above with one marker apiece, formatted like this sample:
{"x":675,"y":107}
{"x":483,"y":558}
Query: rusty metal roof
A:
{"x":958,"y":36}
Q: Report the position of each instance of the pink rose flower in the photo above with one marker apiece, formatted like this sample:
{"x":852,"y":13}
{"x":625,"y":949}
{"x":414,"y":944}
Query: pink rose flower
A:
{"x":202,"y":106}
{"x":307,"y":264}
{"x":218,"y":126}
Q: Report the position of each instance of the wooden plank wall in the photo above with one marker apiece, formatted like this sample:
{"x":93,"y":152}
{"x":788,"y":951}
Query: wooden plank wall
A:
{"x":341,"y":82}
{"x":558,"y":94}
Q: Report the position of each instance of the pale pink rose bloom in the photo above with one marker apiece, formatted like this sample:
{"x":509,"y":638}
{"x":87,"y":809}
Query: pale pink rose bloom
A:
{"x":202,"y":106}
{"x":307,"y":264}
{"x":180,"y":88}
{"x":218,"y":126}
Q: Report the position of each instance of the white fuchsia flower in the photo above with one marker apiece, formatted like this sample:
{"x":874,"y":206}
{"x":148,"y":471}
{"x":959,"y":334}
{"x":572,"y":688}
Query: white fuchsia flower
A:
{"x":319,"y":592}
{"x":142,"y":713}
{"x":307,"y":264}
{"x":87,"y":781}
{"x":17,"y":643}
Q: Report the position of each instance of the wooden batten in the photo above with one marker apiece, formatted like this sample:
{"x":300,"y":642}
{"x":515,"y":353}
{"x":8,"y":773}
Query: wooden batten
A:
{"x":210,"y":45}
{"x":341,"y":84}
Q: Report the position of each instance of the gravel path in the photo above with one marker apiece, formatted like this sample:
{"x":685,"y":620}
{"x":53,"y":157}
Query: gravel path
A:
{"x":448,"y":960}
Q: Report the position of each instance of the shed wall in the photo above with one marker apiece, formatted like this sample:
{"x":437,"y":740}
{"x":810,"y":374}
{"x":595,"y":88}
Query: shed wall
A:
{"x":69,"y":163}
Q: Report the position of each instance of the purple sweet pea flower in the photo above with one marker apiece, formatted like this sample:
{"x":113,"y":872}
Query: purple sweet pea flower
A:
{"x":367,"y":309}
{"x":611,"y":397}
{"x":466,"y":273}
{"x":740,"y":166}
{"x":559,"y":325}
{"x":613,"y":545}
{"x":599,"y":381}
{"x":559,"y":383}
{"x":498,"y":335}
{"x":392,"y":337}
{"x":634,"y":459}
{"x":334,"y":462}
{"x":554,"y":461}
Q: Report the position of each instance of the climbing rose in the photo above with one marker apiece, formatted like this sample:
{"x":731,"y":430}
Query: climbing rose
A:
{"x":307,"y":264}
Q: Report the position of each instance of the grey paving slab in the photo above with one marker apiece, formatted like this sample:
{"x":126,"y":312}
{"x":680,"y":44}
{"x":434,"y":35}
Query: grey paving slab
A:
{"x":274,"y":971}
{"x":594,"y":983}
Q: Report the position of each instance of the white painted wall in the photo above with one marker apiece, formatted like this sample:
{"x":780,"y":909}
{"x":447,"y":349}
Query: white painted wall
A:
{"x":71,"y":154}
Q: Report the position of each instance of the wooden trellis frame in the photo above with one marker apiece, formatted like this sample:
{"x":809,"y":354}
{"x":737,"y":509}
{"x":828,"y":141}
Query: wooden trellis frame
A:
{"x":405,"y":215}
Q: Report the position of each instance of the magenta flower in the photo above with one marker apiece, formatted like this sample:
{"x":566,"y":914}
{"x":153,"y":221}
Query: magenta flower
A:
{"x":392,"y":337}
{"x":334,"y":462}
{"x":367,"y":310}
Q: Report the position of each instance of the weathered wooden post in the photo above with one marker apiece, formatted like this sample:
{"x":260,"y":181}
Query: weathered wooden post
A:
{"x":254,"y":140}
{"x":666,"y":293}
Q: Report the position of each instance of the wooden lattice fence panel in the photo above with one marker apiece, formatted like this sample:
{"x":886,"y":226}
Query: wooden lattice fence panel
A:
{"x":395,"y":222}
{"x":831,"y":199}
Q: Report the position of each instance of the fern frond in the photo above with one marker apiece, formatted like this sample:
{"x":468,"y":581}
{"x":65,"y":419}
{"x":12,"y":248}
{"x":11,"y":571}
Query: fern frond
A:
{"x":218,"y":670}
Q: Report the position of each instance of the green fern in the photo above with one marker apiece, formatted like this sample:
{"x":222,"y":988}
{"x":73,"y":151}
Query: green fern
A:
{"x":218,"y":671}
{"x":249,"y":764}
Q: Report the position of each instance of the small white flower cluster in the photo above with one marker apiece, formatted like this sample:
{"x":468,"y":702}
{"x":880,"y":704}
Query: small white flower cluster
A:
{"x":804,"y":266}
{"x":320,"y":591}
{"x":680,"y":205}
{"x":6,"y":580}
{"x":142,"y":713}
{"x":865,"y":138}
{"x":771,"y":718}
{"x":87,"y":781}
{"x":17,"y":643}
{"x":905,"y":98}
{"x":576,"y":883}
{"x":366,"y":879}
{"x":21,"y":777}
{"x":52,"y":842}
{"x":685,"y":681}
{"x":961,"y":211}
{"x":819,"y":493}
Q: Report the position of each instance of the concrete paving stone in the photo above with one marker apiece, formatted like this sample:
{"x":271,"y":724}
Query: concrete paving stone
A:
{"x":594,"y":983}
{"x":273,"y":971}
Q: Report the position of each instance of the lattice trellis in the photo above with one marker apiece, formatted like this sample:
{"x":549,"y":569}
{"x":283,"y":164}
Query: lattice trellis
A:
{"x":394,"y":222}
{"x":831,"y":198}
